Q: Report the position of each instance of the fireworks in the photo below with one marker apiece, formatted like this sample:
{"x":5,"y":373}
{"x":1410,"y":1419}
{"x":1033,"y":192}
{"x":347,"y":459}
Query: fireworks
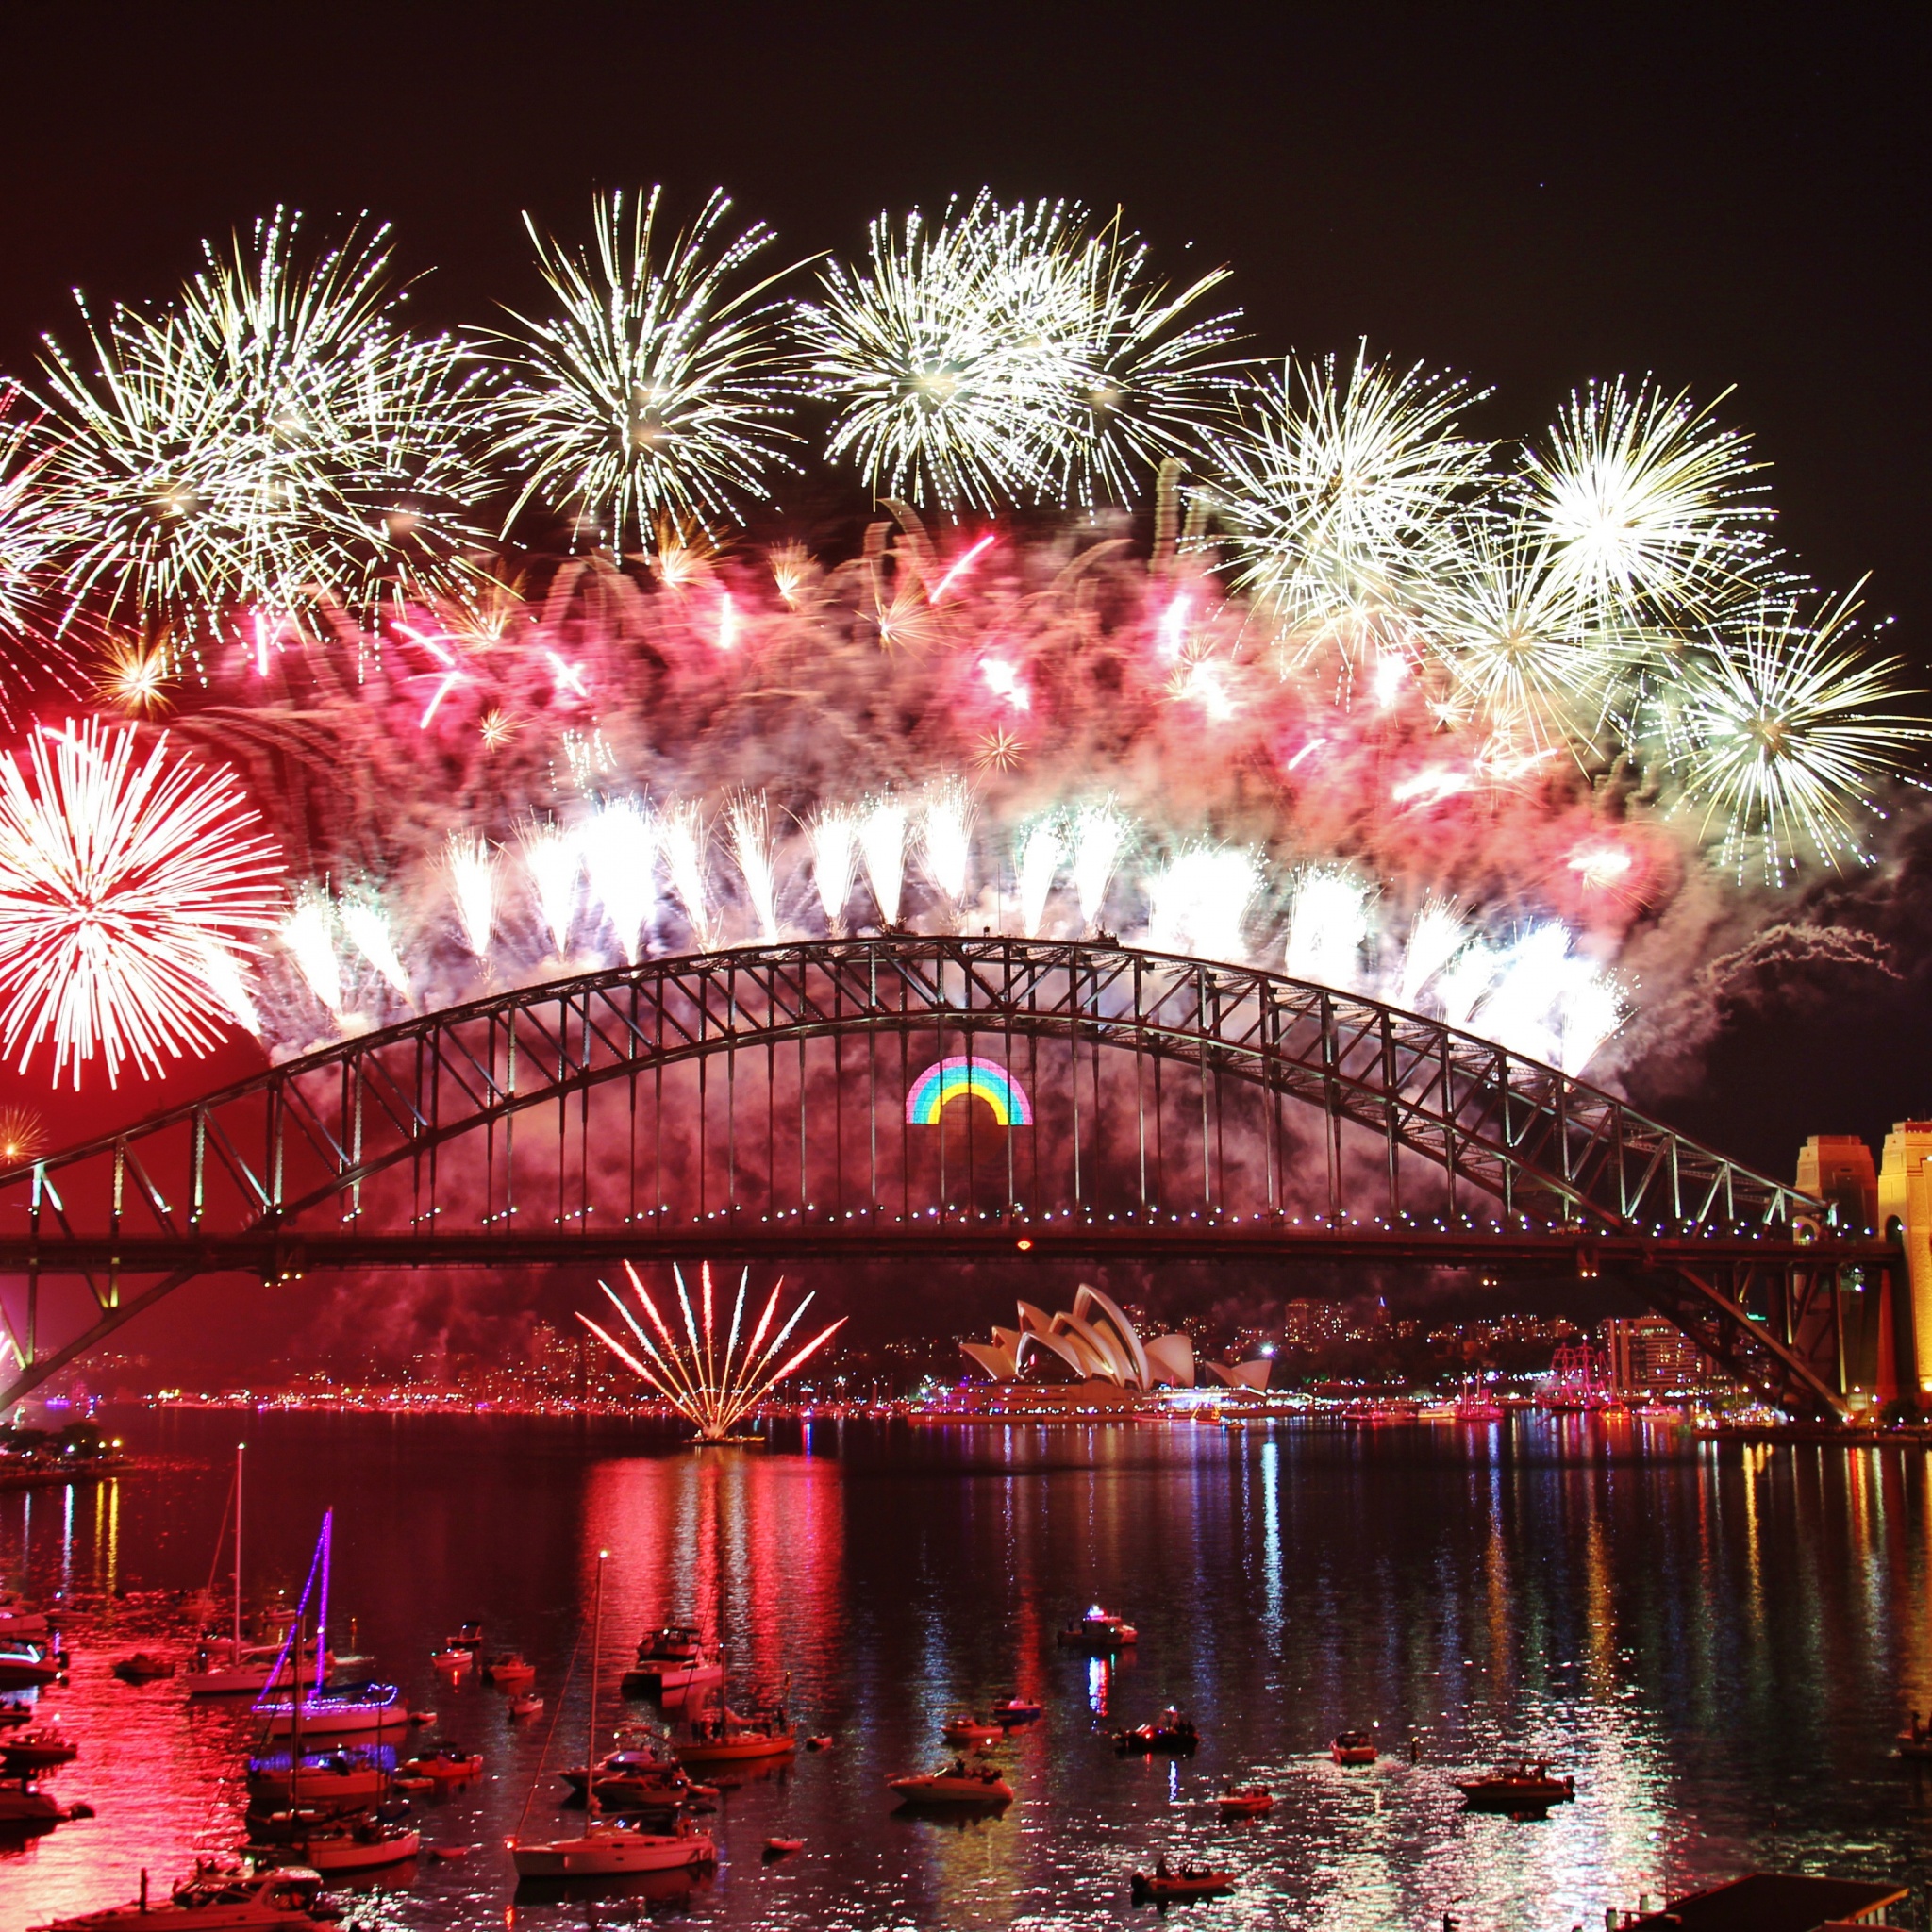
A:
{"x":945,"y":832}
{"x":749,"y":826}
{"x":658,"y":390}
{"x":23,"y":1135}
{"x":470,"y":867}
{"x":713,"y":1384}
{"x":1010,"y":354}
{"x":834,"y":838}
{"x":1037,"y":862}
{"x":882,"y":842}
{"x":1788,"y":732}
{"x":272,"y":438}
{"x":32,"y":531}
{"x":118,"y":873}
{"x":619,"y":841}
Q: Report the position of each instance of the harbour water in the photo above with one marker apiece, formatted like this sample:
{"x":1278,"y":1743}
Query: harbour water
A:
{"x":1719,"y":1643}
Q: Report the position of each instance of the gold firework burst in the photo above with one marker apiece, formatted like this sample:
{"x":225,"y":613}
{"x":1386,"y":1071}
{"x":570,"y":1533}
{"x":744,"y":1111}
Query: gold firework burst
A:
{"x":999,"y":751}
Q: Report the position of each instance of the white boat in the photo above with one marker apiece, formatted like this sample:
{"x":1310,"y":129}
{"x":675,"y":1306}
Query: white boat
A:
{"x":347,"y":1844}
{"x":339,"y":1710}
{"x":25,"y":1667}
{"x":337,"y":1781}
{"x":219,"y":1898}
{"x":605,"y":1847}
{"x":954,"y":1784}
{"x":673,"y":1660}
{"x":228,"y":1670}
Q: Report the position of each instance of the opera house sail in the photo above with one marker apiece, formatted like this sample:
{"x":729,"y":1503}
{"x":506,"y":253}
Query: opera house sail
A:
{"x":1098,"y":1344}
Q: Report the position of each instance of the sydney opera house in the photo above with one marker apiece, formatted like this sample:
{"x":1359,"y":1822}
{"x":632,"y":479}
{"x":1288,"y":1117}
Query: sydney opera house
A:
{"x":1096,"y":1348}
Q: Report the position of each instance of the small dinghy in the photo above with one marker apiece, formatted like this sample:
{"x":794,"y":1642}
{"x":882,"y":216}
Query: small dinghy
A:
{"x":142,"y":1667}
{"x":528,"y":1704}
{"x":444,"y":1767}
{"x":1162,"y":1886}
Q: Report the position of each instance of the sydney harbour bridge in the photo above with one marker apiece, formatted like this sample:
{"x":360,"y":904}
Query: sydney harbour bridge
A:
{"x":797,"y":1102}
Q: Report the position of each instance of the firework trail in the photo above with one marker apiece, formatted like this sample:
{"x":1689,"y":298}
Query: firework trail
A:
{"x":620,"y":846}
{"x":833,"y":836}
{"x":368,"y":927}
{"x":470,"y":867}
{"x":117,"y":873}
{"x":748,"y":825}
{"x":555,"y":864}
{"x":1037,"y":862}
{"x":945,"y":837}
{"x":1099,"y":837}
{"x":881,"y":832}
{"x":685,"y":836}
{"x":308,"y":936}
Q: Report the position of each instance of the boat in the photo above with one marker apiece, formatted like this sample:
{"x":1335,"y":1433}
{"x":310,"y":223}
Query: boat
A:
{"x":1246,"y":1801}
{"x":954,"y":1784}
{"x":783,"y":1847}
{"x":1100,"y":1630}
{"x":26,"y":1667}
{"x":734,"y":1740}
{"x":357,"y":1845}
{"x":1161,"y":1885}
{"x":338,"y":1710}
{"x":1353,"y":1747}
{"x":335,"y":1780}
{"x":607,"y":1847}
{"x":671,"y":1660}
{"x":822,"y":1741}
{"x":453,"y":1658}
{"x":635,"y":1780}
{"x":143,"y":1666}
{"x":20,"y":1625}
{"x":20,"y":1803}
{"x":1017,"y":1710}
{"x":35,"y":1751}
{"x":510,"y":1669}
{"x":469,"y":1637}
{"x":444,"y":1767}
{"x":526,"y":1703}
{"x":415,"y":1786}
{"x":221,"y":1897}
{"x":963,"y":1727}
{"x":1523,"y":1786}
{"x":1172,"y":1733}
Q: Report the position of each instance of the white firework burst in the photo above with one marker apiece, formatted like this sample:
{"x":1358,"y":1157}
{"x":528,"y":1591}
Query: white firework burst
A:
{"x":1336,"y":485}
{"x":1789,"y":732}
{"x":833,"y":836}
{"x":945,"y":838}
{"x":748,"y":826}
{"x":32,"y":535}
{"x":1643,"y":500}
{"x":273,"y":436}
{"x":659,"y":392}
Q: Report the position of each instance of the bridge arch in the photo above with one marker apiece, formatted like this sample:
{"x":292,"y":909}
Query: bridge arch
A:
{"x":754,"y":1101}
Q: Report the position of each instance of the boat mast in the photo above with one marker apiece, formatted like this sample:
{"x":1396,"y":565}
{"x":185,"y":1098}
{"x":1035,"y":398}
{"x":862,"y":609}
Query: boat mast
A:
{"x":591,"y":1738}
{"x":236,"y":1656}
{"x":295,"y":1716}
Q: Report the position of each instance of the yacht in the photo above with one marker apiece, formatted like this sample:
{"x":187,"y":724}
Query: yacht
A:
{"x":225,"y":1667}
{"x":634,"y":1780}
{"x":954,"y":1784}
{"x":674,"y":1659}
{"x":219,"y":1898}
{"x":359,"y":1843}
{"x":337,"y":1780}
{"x":339,"y":1710}
{"x":25,"y":1667}
{"x":1100,"y":1630}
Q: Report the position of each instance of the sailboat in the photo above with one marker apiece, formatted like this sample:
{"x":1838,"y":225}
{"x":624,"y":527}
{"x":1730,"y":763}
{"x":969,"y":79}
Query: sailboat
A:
{"x":607,"y":1847}
{"x":232,"y":1668}
{"x":339,"y":1710}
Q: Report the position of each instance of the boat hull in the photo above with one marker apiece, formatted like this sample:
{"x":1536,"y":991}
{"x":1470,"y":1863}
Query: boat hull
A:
{"x":737,"y":1750}
{"x":342,"y":1721}
{"x":612,"y":1853}
{"x":348,"y":1854}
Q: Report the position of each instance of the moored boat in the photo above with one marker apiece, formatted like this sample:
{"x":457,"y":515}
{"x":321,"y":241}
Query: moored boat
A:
{"x":509,"y":1669}
{"x":1522,"y":1784}
{"x":338,"y":1710}
{"x":1353,"y":1747}
{"x":444,"y":1767}
{"x":337,"y":1780}
{"x":25,"y":1667}
{"x":1191,"y":1881}
{"x":672,"y":1660}
{"x":219,"y":1898}
{"x":1016,"y":1711}
{"x":35,"y":1751}
{"x":357,"y":1845}
{"x":142,"y":1666}
{"x":635,"y":1780}
{"x":964,"y":1727}
{"x":1246,"y":1801}
{"x":954,"y":1784}
{"x":733,"y":1740}
{"x":1173,"y":1734}
{"x":1100,"y":1630}
{"x":21,"y":1804}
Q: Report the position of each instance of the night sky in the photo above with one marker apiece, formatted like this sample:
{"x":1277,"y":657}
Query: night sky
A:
{"x":1729,"y":198}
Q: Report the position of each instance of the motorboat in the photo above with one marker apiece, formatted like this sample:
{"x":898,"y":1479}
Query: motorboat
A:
{"x":1160,"y":1886}
{"x":1246,"y":1801}
{"x":631,"y":1780}
{"x":337,"y":1780}
{"x":526,"y":1703}
{"x":469,"y":1637}
{"x":453,"y":1657}
{"x":19,"y":1625}
{"x":822,"y":1741}
{"x":1100,"y":1630}
{"x":444,"y":1767}
{"x":338,"y":1710}
{"x":20,"y":1803}
{"x":26,"y":1667}
{"x":348,"y":1844}
{"x":956,"y":1783}
{"x":221,"y":1897}
{"x":1354,"y":1747}
{"x":610,"y":1847}
{"x":783,"y":1847}
{"x":1172,"y":1733}
{"x":673,"y":1660}
{"x":963,"y":1727}
{"x":509,"y":1669}
{"x":143,"y":1666}
{"x":1017,"y":1710}
{"x":1523,"y":1785}
{"x":33,"y":1751}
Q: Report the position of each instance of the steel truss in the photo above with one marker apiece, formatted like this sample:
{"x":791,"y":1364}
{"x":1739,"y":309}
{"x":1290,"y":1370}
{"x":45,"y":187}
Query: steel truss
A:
{"x":752,"y":1101}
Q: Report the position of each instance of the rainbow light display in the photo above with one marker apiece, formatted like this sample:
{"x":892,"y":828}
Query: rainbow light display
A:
{"x":964,"y":1077}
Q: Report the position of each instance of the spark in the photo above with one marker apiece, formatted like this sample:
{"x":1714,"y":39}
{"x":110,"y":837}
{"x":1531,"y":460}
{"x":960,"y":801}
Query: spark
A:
{"x":1436,"y":935}
{"x":1037,"y":862}
{"x":554,"y":863}
{"x":1600,"y":867}
{"x":23,"y":1135}
{"x":116,"y":872}
{"x":620,"y":846}
{"x":657,"y":389}
{"x":1327,"y":925}
{"x":791,"y":565}
{"x":568,"y":679}
{"x":1099,"y":836}
{"x":709,"y":1381}
{"x":962,"y":567}
{"x":1198,"y":902}
{"x":1203,"y":681}
{"x":1173,"y":626}
{"x":136,"y":679}
{"x":497,"y":729}
{"x":833,"y":836}
{"x":35,"y":530}
{"x":684,"y":837}
{"x":308,"y":933}
{"x":727,"y":624}
{"x":945,"y":825}
{"x":252,"y":444}
{"x":748,"y":824}
{"x":882,"y":842}
{"x":368,"y":927}
{"x":999,"y":751}
{"x":1791,"y":731}
{"x":1431,"y":785}
{"x":470,"y":867}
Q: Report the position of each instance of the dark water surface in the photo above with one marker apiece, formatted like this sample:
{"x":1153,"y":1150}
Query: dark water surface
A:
{"x":1720,"y":1643}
